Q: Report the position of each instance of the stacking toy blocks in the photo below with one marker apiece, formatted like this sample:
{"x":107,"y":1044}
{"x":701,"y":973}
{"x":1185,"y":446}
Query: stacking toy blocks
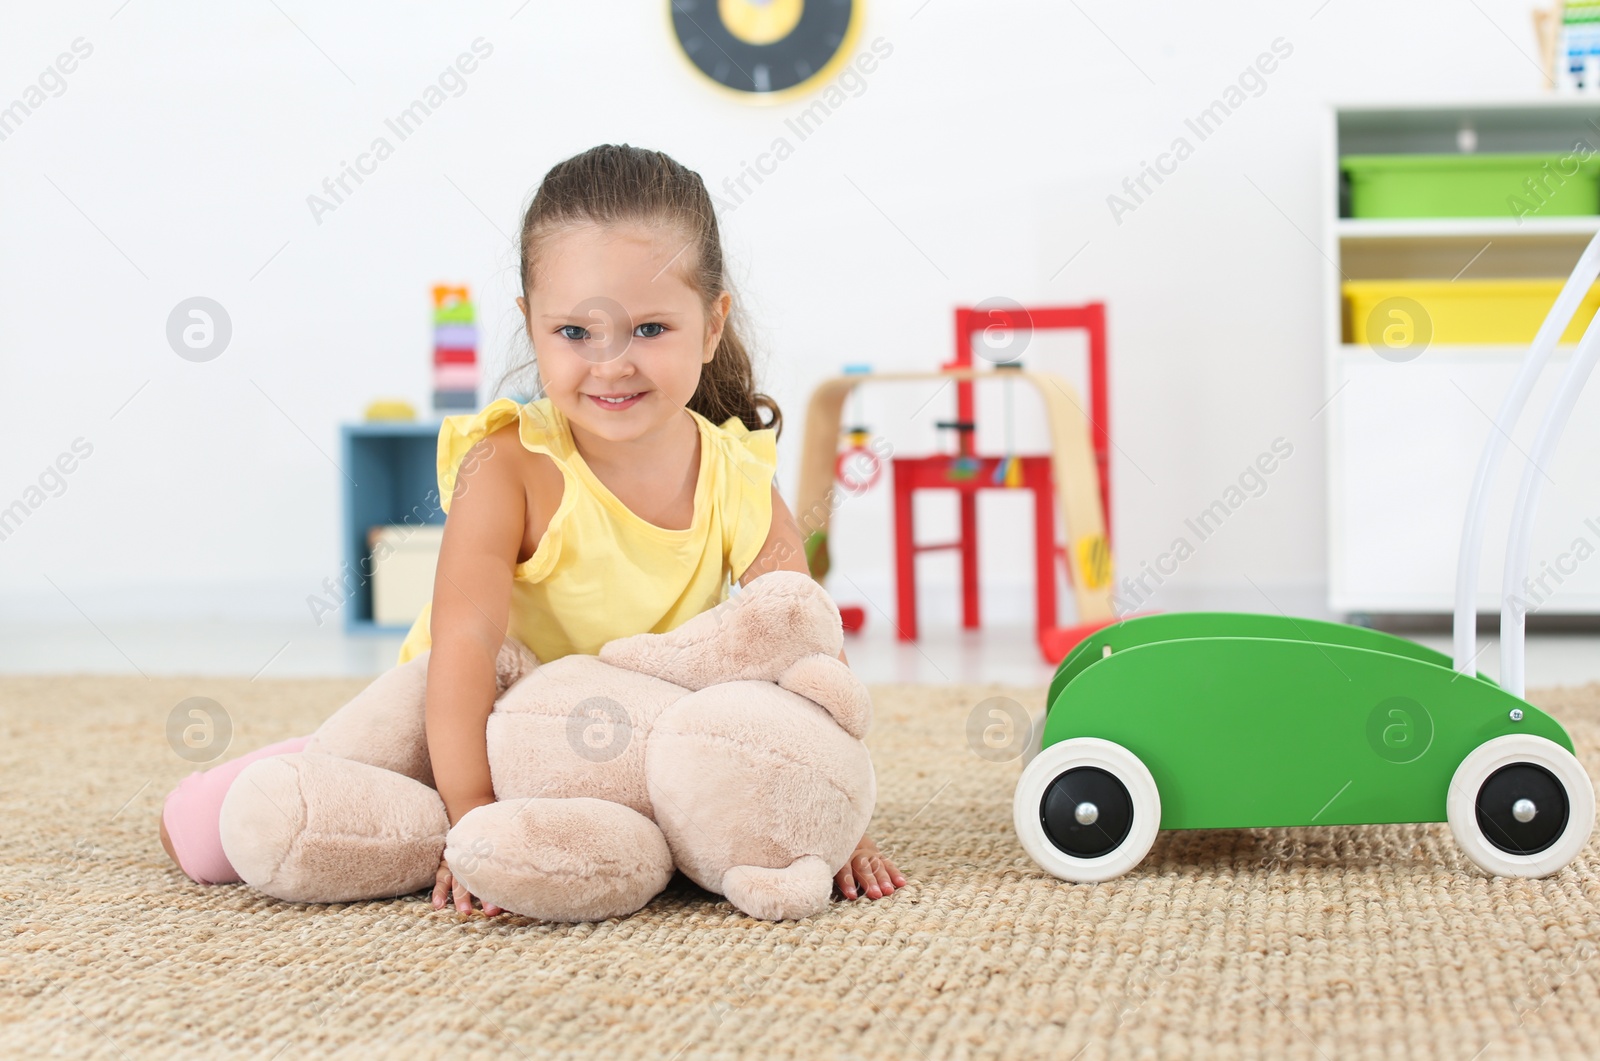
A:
{"x":455,"y":351}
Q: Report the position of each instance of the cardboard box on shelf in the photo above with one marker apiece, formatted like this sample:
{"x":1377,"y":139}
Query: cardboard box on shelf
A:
{"x":403,"y":562}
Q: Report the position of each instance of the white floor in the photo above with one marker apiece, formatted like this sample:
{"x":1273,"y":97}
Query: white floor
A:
{"x":1003,"y":654}
{"x":291,"y":649}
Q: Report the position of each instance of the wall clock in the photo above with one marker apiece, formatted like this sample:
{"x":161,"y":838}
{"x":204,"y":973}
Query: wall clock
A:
{"x":766,"y":48}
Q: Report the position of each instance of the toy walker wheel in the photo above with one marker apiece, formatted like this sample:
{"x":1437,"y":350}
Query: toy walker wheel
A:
{"x":1520,"y":806}
{"x":1086,"y":809}
{"x":1035,"y":743}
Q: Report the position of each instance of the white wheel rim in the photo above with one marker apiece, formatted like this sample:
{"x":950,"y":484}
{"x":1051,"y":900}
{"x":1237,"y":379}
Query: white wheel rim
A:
{"x":1035,"y":737}
{"x":1114,"y":759}
{"x":1461,"y":805}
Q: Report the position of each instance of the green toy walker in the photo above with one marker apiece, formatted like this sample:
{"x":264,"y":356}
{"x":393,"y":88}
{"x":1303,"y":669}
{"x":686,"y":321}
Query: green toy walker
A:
{"x":1228,"y":721}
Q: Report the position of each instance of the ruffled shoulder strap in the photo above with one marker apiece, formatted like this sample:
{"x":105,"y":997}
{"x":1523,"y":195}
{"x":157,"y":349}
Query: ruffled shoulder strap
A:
{"x":458,"y":434}
{"x":761,"y":446}
{"x":541,"y":430}
{"x":752,"y":464}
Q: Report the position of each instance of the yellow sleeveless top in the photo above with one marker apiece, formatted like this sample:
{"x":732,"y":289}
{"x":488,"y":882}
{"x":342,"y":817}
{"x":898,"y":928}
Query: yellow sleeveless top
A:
{"x":601,"y":572}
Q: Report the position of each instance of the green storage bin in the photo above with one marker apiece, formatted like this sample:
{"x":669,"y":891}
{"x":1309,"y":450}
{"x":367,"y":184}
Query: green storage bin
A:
{"x":1491,"y":185}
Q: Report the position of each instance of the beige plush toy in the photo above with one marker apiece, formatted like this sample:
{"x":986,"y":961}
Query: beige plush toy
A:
{"x":730,"y":748}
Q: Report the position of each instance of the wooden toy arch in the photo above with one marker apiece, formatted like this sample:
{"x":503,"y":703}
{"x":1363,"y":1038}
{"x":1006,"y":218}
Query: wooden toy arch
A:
{"x":1077,"y":480}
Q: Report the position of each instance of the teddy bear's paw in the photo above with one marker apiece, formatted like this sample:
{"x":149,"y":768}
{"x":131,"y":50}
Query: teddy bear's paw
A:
{"x":560,"y":859}
{"x":800,"y":889}
{"x":512,"y":663}
{"x":312,"y":828}
{"x":826,"y":681}
{"x":779,"y":618}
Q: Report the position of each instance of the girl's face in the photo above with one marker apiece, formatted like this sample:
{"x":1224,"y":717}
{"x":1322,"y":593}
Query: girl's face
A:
{"x":610,"y":316}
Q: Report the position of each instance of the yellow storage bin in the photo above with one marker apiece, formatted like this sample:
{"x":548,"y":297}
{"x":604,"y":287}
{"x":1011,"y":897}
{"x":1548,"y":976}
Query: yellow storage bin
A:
{"x":1397,"y":313}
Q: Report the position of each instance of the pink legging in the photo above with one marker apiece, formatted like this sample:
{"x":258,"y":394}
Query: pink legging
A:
{"x":193,"y":810}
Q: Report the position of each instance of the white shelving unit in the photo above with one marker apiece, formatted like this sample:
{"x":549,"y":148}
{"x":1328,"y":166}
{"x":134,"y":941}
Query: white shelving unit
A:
{"x":1549,"y":228}
{"x":1404,"y":436}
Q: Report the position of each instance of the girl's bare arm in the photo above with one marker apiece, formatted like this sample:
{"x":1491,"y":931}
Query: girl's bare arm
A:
{"x":471,"y":603}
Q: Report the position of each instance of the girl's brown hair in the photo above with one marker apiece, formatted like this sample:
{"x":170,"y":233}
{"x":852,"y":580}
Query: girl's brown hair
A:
{"x":619,"y":183}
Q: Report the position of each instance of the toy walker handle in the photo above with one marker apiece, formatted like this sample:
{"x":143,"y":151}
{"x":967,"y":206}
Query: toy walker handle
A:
{"x":1511,"y":620}
{"x":1519,"y":545}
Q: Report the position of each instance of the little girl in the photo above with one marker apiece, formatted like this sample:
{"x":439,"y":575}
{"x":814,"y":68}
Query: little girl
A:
{"x":622,"y":501}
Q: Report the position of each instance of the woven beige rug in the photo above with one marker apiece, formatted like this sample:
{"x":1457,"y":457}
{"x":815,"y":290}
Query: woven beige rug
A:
{"x":1305,"y":943}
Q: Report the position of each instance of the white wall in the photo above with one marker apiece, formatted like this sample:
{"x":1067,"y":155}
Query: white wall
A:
{"x":975,"y":163}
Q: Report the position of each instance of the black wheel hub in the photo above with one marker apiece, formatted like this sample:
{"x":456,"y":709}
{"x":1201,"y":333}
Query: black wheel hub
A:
{"x":1086,"y":812}
{"x":1522,"y":809}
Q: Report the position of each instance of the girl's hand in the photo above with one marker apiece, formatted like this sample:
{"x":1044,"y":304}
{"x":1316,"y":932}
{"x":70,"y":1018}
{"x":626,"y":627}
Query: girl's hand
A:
{"x":871,"y":870}
{"x":445,"y":883}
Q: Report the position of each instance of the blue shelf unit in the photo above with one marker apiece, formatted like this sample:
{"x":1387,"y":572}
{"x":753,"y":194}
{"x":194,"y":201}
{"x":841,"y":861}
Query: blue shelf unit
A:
{"x":391,"y":476}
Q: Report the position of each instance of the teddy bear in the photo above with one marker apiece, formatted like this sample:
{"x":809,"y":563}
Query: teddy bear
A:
{"x":730,"y":748}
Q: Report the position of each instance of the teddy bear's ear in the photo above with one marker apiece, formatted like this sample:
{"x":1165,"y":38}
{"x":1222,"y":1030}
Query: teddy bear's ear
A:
{"x":828,"y":682}
{"x":514,"y":661}
{"x":781,"y":617}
